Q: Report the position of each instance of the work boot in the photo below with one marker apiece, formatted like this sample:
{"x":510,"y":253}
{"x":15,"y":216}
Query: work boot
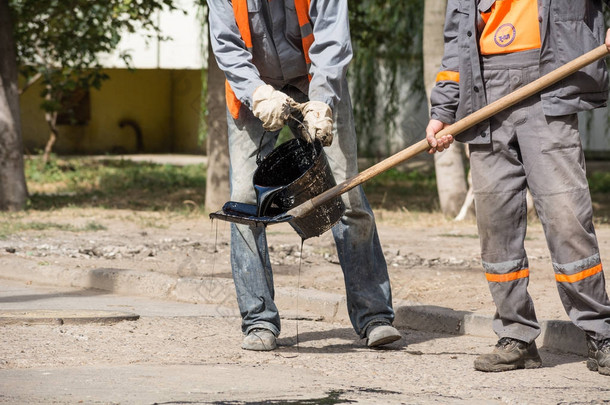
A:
{"x":599,"y":355}
{"x":259,"y":339}
{"x":509,"y":354}
{"x":379,"y":334}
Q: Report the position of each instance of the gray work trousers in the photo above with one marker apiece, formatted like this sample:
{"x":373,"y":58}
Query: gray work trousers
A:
{"x":544,"y":154}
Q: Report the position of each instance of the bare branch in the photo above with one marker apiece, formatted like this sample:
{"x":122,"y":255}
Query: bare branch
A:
{"x":30,"y":82}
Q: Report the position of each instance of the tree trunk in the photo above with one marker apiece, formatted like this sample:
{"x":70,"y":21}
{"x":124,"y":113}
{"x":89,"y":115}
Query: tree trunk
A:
{"x":13,"y":190}
{"x":217,"y":181}
{"x":449,"y":164}
{"x":51,"y":119}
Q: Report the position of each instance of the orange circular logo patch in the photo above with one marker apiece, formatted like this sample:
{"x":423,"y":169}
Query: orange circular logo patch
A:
{"x":505,"y":35}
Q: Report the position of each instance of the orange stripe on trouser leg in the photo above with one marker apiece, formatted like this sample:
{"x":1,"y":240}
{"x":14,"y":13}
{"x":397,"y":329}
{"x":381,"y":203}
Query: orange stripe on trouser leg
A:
{"x":502,"y":278}
{"x":572,"y":278}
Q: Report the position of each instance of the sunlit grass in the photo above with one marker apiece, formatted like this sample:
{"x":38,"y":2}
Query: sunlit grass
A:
{"x":87,"y":182}
{"x":411,"y":190}
{"x":410,"y":194}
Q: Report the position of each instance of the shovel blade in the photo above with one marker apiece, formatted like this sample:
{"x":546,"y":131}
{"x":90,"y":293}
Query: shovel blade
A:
{"x":242,"y":213}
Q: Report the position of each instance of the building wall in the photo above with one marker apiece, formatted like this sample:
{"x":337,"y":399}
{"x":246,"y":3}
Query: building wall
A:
{"x":184,"y":46}
{"x":165,"y":104}
{"x":187,"y":118}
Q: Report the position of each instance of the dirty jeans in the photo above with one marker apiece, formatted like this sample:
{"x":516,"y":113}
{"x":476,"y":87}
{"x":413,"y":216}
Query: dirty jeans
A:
{"x":364,"y":268}
{"x":529,"y":149}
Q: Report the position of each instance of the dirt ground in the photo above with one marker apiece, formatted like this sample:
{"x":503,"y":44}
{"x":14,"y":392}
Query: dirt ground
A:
{"x":180,"y":353}
{"x":195,"y":357}
{"x":431,"y":260}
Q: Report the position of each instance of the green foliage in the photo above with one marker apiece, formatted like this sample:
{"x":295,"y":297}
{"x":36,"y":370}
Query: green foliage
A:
{"x":397,"y":189}
{"x":60,"y":40}
{"x":387,"y":42}
{"x":88,"y":182}
{"x":109,"y":183}
{"x":599,"y":182}
{"x":415,"y":179}
{"x":606,"y":9}
{"x":599,"y":185}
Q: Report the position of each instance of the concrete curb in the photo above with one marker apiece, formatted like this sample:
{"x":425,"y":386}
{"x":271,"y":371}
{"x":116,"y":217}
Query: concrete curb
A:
{"x":557,"y":335}
{"x":562,"y":336}
{"x":61,"y":317}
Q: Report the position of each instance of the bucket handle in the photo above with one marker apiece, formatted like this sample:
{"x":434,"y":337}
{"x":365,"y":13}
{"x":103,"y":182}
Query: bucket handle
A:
{"x":260,"y":147}
{"x":296,"y":107}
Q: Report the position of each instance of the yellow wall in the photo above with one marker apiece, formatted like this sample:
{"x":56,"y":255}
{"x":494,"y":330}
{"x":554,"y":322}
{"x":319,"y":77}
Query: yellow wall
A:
{"x":165,"y":104}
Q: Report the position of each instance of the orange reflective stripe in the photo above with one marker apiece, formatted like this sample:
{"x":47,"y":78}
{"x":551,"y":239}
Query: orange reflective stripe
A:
{"x":572,"y":278}
{"x":502,"y":278}
{"x":240,"y":9}
{"x":233,"y":103}
{"x":485,"y":16}
{"x":302,"y":9}
{"x":307,"y":41}
{"x":448,"y":75}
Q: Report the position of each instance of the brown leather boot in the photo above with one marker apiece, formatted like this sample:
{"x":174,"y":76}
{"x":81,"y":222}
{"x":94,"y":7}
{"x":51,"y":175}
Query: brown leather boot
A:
{"x":509,"y":354}
{"x":599,"y":355}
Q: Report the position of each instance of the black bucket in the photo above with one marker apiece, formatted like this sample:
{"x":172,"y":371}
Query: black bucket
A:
{"x":291,"y":174}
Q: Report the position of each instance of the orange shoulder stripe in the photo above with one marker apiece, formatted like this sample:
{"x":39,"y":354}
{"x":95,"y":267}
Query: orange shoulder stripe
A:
{"x":448,"y":75}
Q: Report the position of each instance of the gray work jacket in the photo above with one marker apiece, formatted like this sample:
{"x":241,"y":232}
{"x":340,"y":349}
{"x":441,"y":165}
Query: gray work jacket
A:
{"x":568,"y":29}
{"x":277,"y":54}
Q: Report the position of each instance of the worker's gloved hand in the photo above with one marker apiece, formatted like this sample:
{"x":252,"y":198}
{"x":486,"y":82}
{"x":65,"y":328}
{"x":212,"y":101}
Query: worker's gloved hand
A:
{"x":318,"y":122}
{"x":270,"y":106}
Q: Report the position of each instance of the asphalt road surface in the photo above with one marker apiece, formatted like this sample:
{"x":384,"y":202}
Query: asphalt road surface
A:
{"x":179,"y":353}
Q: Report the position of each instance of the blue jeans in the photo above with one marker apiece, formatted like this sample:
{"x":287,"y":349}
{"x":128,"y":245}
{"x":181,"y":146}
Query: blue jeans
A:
{"x":364,"y":268}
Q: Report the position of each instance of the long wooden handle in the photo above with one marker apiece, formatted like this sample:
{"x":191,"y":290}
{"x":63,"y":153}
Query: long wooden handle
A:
{"x":454,"y":129}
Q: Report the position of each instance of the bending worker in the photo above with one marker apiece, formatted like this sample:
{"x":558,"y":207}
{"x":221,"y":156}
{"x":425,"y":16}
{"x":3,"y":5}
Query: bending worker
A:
{"x":271,"y":52}
{"x":491,"y":49}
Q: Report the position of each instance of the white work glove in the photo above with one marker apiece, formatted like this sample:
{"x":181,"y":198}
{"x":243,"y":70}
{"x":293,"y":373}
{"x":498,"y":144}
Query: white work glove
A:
{"x":318,"y":122}
{"x":270,"y":106}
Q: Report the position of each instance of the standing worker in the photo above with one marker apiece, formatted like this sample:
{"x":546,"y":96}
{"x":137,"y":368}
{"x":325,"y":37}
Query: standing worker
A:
{"x":491,"y":49}
{"x":272,"y":52}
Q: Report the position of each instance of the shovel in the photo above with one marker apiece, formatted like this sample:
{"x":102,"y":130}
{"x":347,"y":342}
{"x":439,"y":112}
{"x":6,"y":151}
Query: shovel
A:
{"x":241,"y":213}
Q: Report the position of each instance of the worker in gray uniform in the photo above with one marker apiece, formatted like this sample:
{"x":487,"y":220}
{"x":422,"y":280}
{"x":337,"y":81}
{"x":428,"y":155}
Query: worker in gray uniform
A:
{"x":272,"y":52}
{"x":491,"y":49}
